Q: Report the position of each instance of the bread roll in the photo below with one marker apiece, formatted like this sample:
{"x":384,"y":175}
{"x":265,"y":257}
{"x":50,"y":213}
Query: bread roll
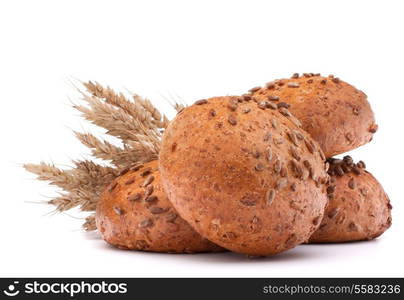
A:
{"x":244,"y":174}
{"x":134,"y":213}
{"x":358,"y":208}
{"x":336,"y":114}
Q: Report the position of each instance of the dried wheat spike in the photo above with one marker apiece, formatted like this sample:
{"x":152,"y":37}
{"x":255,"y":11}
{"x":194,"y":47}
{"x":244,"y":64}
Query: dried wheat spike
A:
{"x":89,"y":224}
{"x":56,"y":176}
{"x":139,"y":126}
{"x":178,"y":106}
{"x":141,"y":109}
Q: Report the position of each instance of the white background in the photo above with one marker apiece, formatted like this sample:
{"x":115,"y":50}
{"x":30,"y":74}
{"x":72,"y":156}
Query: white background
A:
{"x":191,"y":50}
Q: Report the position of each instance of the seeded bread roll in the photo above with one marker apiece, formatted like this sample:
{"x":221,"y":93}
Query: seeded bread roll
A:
{"x":244,"y":175}
{"x":134,"y":213}
{"x":336,"y":114}
{"x":358,"y":208}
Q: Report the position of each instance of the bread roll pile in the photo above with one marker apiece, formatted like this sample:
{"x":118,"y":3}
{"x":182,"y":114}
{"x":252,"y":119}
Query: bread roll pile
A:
{"x":253,"y":174}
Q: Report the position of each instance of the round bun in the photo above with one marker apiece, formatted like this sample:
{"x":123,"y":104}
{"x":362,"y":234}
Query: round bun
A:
{"x":135,"y":213}
{"x":244,"y":175}
{"x":358,"y":208}
{"x":336,"y":114}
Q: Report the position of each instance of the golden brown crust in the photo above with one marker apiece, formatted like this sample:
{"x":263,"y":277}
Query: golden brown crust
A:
{"x":336,"y":114}
{"x":358,"y":208}
{"x":135,"y":213}
{"x":244,"y":175}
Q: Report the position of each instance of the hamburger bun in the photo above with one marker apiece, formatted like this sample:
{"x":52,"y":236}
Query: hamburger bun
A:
{"x":358,"y":208}
{"x":244,"y":175}
{"x":335,"y":113}
{"x":134,"y":213}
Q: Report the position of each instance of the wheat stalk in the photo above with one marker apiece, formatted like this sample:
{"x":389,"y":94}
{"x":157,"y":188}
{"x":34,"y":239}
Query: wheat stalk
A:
{"x":100,"y":148}
{"x":89,"y":224}
{"x":161,"y":121}
{"x":138,"y":124}
{"x":83,"y":184}
{"x":178,"y":106}
{"x":140,"y":109}
{"x":118,"y":123}
{"x":54,"y":175}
